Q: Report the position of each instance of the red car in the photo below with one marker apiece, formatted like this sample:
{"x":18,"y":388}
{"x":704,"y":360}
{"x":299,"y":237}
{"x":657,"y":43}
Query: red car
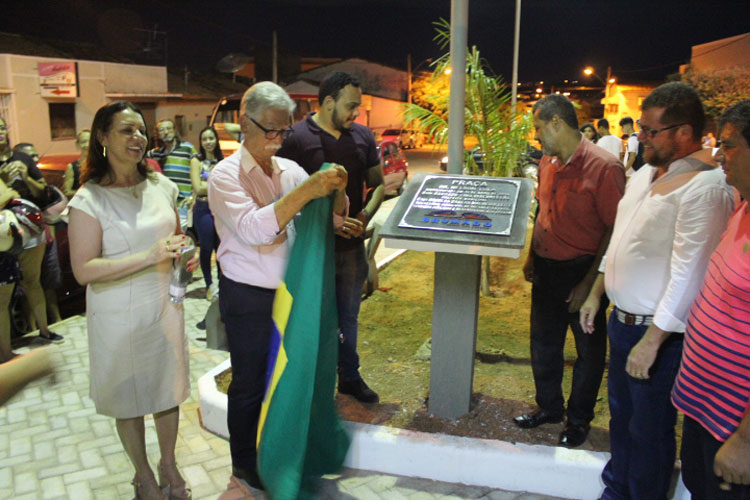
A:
{"x":395,"y":166}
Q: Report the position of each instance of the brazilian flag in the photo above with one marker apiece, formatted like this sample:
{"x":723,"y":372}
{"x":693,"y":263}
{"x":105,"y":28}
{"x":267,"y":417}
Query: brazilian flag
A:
{"x":300,"y":436}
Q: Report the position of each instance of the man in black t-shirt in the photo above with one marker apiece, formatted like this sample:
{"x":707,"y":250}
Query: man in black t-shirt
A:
{"x":331,"y":135}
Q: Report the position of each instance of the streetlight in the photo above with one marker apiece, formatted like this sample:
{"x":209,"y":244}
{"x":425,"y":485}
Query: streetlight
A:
{"x":589,"y":71}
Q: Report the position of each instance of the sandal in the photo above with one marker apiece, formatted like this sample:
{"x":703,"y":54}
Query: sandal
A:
{"x":140,"y":490}
{"x":178,"y":489}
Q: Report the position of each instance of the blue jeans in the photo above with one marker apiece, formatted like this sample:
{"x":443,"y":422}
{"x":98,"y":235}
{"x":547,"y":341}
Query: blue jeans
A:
{"x":351,"y":273}
{"x":641,"y":427}
{"x":203,"y":221}
{"x":246,"y":311}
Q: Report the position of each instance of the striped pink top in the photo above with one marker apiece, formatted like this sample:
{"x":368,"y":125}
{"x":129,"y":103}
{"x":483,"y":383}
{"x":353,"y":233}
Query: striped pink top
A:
{"x":713,"y":384}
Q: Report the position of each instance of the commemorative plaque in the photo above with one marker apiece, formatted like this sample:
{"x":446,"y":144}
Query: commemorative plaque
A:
{"x":463,"y":204}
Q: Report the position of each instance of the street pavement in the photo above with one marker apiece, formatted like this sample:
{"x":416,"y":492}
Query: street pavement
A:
{"x":53,"y":445}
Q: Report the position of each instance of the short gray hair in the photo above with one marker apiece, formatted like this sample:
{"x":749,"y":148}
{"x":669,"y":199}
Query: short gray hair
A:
{"x":265,"y":95}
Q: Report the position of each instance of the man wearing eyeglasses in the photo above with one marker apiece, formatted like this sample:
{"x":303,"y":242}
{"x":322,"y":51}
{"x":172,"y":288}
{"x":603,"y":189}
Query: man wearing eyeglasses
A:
{"x":331,"y":135}
{"x":254,"y":196}
{"x":174,"y":157}
{"x":670,"y":219}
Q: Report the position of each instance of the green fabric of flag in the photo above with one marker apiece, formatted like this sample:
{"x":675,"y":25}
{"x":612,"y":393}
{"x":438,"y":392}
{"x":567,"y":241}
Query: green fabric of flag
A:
{"x":301,"y":436}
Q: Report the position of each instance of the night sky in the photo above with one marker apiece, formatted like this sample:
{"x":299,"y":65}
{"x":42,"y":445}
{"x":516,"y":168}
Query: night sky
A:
{"x":641,"y":40}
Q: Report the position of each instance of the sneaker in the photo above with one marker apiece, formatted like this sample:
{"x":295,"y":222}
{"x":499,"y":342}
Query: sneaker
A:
{"x":359,"y":390}
{"x":201,"y":325}
{"x":52,"y":338}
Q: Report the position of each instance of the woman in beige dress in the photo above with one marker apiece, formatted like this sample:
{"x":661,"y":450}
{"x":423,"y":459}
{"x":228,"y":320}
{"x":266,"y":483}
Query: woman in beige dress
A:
{"x":124,"y":235}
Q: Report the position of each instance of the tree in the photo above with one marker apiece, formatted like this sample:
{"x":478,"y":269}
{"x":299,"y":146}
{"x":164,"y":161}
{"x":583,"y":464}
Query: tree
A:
{"x":719,"y":89}
{"x":500,"y":130}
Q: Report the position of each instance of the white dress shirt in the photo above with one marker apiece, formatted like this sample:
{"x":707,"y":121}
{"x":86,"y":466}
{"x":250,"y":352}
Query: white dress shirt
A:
{"x":612,"y":144}
{"x":663,"y":236}
{"x":253,"y":250}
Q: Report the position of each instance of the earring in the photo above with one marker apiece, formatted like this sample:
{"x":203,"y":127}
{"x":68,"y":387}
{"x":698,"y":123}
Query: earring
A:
{"x":104,"y":151}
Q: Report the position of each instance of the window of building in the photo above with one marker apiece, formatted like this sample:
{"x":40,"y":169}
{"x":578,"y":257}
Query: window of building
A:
{"x":62,"y":120}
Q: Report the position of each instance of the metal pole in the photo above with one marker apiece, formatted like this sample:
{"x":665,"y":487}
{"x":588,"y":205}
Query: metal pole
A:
{"x":456,"y":293}
{"x":275,"y":57}
{"x":457,"y":101}
{"x":516,"y":43}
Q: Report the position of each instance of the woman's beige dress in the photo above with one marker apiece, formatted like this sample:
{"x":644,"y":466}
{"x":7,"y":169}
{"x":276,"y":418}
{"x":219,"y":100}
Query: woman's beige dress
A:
{"x":137,"y":346}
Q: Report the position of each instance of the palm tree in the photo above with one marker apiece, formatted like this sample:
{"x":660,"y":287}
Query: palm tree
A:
{"x":500,"y":130}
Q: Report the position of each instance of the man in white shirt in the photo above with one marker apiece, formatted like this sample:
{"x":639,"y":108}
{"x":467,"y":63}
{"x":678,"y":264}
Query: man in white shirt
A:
{"x":670,"y":219}
{"x":607,"y":141}
{"x":631,"y":161}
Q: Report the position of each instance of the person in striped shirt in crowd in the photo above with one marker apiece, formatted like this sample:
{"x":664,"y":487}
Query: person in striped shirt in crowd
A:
{"x":712,"y":387}
{"x":174,"y":157}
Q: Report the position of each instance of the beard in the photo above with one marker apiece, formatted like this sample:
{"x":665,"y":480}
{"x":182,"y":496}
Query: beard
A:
{"x":338,"y":123}
{"x":660,"y":158}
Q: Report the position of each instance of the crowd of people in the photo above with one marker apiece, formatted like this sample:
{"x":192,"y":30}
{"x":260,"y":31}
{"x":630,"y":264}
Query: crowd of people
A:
{"x":670,"y":250}
{"x":651,"y":226}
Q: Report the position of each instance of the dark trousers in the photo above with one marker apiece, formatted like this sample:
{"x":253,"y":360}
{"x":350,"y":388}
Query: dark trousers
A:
{"x":246,"y":311}
{"x":351,"y":273}
{"x":641,"y":427}
{"x":550,"y":319}
{"x":203,"y":221}
{"x":699,"y":448}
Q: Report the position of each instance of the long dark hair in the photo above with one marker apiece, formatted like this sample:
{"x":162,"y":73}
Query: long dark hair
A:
{"x":217,"y":152}
{"x":97,"y":167}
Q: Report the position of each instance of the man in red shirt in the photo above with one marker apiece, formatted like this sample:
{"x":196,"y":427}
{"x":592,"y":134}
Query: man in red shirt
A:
{"x":579,"y":188}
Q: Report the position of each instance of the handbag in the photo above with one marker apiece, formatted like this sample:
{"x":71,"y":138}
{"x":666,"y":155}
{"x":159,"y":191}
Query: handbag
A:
{"x":53,"y":204}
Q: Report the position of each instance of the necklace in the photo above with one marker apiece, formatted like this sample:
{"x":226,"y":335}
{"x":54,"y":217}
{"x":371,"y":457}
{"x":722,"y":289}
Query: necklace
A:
{"x":133,"y":188}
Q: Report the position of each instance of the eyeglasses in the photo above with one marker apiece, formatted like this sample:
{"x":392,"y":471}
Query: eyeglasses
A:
{"x":651,"y":132}
{"x":271,"y":133}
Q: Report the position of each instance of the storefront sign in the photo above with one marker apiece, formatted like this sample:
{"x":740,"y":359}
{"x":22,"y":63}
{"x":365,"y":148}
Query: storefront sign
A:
{"x":58,"y":79}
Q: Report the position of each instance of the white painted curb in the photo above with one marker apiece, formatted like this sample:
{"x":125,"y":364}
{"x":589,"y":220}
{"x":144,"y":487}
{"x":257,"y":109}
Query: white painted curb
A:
{"x":546,"y":470}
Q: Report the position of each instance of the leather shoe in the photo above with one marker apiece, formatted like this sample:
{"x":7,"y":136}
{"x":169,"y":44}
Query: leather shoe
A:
{"x":359,"y":390}
{"x":536,"y":418}
{"x":250,"y":477}
{"x":573,"y":435}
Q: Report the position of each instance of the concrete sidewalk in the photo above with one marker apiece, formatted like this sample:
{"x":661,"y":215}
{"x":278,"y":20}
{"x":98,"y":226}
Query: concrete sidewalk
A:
{"x":53,"y":445}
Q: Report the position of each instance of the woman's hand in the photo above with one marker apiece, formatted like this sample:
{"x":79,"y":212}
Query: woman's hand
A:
{"x":193,"y":263}
{"x":168,"y":248}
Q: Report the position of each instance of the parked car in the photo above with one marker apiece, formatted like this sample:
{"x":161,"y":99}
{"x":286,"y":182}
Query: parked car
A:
{"x":395,"y":166}
{"x":390,"y":134}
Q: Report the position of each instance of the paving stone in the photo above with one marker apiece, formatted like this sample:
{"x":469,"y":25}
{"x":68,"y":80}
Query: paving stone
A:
{"x":90,"y":459}
{"x":52,"y":440}
{"x":79,"y":491}
{"x":20,"y":446}
{"x":52,"y":487}
{"x":44,"y":450}
{"x":31,"y":430}
{"x":11,"y":461}
{"x":25,"y":482}
{"x":16,"y":415}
